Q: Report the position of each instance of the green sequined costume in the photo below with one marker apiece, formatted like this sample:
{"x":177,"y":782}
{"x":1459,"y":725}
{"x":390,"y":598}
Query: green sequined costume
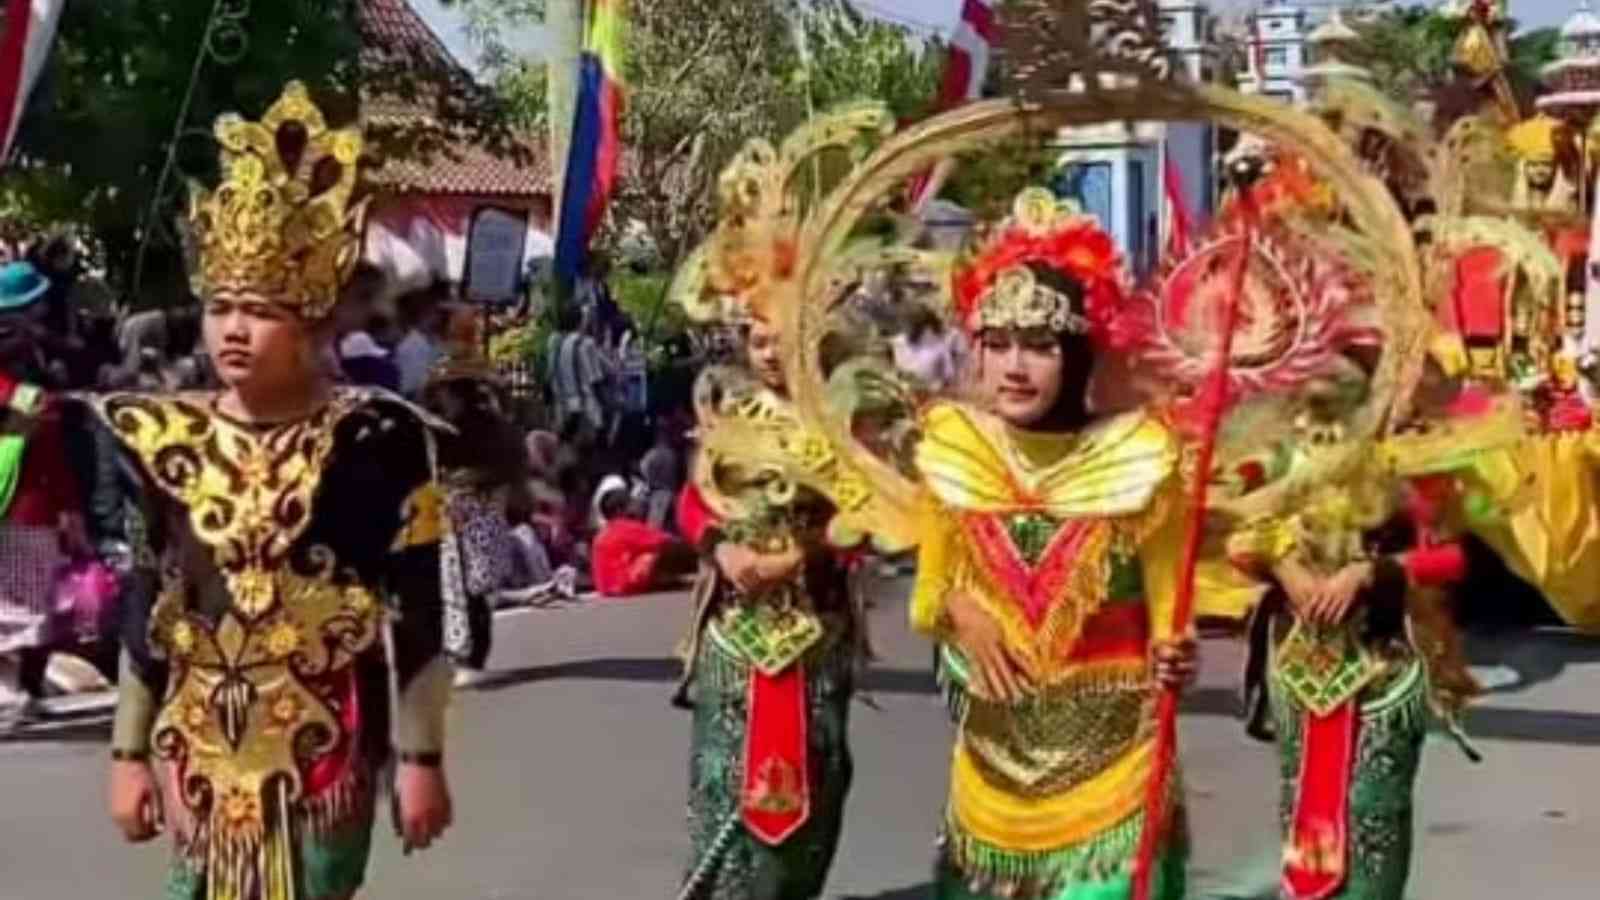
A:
{"x":729,"y":863}
{"x":1394,"y":721}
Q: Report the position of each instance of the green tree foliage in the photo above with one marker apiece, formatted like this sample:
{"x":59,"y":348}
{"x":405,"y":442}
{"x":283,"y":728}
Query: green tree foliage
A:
{"x":1409,"y":50}
{"x":96,"y":142}
{"x":706,"y":76}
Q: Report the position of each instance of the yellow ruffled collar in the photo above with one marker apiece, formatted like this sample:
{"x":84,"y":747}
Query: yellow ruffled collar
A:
{"x":973,"y":461}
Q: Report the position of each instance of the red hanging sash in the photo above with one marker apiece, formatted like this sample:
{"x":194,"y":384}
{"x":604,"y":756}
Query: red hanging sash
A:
{"x":1315,"y":858}
{"x":776,"y":797}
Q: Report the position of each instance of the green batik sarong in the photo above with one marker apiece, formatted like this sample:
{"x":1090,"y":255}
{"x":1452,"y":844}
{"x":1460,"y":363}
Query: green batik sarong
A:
{"x":332,"y":864}
{"x":1388,"y":753}
{"x":729,"y":863}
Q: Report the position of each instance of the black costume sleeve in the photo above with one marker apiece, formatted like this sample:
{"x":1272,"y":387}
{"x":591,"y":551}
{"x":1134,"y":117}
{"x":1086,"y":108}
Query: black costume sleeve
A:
{"x":125,"y":508}
{"x":384,"y":479}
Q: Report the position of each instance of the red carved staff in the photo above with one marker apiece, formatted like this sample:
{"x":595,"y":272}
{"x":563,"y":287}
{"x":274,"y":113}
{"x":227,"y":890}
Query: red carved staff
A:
{"x":1212,"y":404}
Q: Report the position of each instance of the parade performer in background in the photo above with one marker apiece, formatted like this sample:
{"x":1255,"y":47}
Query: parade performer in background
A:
{"x":771,"y":658}
{"x":1046,"y":572}
{"x":483,"y":469}
{"x":41,"y":510}
{"x":284,"y":637}
{"x":1357,"y":643}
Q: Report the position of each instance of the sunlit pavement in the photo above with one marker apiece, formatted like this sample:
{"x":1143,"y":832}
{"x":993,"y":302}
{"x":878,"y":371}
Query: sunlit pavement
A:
{"x":569,"y":772}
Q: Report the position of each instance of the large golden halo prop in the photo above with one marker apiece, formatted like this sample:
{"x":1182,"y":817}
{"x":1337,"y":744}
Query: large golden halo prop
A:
{"x":824,"y":237}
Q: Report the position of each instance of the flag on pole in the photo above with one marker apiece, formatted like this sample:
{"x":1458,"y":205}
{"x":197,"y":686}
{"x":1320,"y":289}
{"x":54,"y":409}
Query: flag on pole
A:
{"x":30,"y":31}
{"x":965,"y":71}
{"x":596,"y":146}
{"x":1176,"y":218}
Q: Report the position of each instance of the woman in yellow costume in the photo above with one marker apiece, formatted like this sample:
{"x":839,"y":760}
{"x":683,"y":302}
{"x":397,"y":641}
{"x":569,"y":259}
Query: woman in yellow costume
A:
{"x":1047,"y":569}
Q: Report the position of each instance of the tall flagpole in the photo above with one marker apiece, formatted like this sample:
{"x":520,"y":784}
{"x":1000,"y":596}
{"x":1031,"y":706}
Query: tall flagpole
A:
{"x":563,"y":22}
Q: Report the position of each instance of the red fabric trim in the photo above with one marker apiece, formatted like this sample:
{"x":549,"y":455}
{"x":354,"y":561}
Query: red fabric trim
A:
{"x":775,"y":797}
{"x":47,"y":488}
{"x":1033,"y":589}
{"x":1437,"y":565}
{"x":1478,"y":296}
{"x":13,"y":52}
{"x":1119,"y":631}
{"x":695,"y":517}
{"x":327,"y":770}
{"x":1319,"y":839}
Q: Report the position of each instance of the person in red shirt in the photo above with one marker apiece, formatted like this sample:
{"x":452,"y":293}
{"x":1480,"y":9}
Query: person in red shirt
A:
{"x":630,"y":556}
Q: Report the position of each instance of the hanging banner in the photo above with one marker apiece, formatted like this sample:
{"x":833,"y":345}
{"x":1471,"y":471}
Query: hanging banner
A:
{"x":495,"y":250}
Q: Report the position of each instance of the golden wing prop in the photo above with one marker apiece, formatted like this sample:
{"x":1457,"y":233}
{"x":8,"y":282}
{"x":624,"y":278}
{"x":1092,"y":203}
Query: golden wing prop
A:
{"x":792,"y":252}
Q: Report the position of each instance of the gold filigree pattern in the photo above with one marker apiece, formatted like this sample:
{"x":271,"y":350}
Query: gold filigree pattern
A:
{"x":243,"y":714}
{"x":247,"y":491}
{"x":281,"y":225}
{"x":1057,"y":741}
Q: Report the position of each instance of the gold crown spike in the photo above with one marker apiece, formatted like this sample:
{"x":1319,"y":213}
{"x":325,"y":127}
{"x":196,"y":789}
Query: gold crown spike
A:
{"x":1535,"y":139}
{"x":281,"y":225}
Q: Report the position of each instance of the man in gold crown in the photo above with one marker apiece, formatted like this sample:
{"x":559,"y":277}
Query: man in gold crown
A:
{"x":1047,"y":574}
{"x":285,"y":636}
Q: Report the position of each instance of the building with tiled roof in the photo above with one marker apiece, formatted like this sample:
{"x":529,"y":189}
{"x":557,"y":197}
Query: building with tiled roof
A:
{"x":442,"y":156}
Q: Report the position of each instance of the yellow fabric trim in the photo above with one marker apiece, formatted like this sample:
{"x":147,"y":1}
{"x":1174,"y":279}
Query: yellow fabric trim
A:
{"x":1551,"y":535}
{"x":972,"y":461}
{"x":424,"y":518}
{"x":1033,"y":824}
{"x":1160,"y":558}
{"x":937,"y":554}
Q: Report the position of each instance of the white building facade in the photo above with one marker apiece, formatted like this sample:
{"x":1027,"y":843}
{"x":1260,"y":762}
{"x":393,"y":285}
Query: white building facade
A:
{"x":1115,"y":170}
{"x":1276,"y":52}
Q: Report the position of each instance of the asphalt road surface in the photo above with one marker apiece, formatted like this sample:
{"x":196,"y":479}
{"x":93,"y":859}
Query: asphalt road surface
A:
{"x":569,"y":772}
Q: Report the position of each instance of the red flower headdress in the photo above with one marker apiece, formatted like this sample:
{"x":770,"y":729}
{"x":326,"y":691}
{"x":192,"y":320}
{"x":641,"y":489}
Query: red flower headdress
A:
{"x":1049,"y":232}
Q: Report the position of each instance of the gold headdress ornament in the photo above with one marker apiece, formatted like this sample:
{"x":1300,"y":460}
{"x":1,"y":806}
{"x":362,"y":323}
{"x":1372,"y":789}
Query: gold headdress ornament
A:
{"x":998,"y":289}
{"x":1535,"y":139}
{"x":281,"y":224}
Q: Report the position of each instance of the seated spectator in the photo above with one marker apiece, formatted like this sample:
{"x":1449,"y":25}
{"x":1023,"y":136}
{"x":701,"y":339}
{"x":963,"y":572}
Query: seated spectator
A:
{"x":631,"y":557}
{"x":365,"y":360}
{"x":662,"y":470}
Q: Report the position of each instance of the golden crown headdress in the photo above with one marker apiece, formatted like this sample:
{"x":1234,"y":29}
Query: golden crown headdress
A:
{"x":281,"y":224}
{"x":997,"y":288}
{"x":1535,"y":139}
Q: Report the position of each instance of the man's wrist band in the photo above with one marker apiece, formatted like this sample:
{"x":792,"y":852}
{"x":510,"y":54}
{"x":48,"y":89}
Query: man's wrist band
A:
{"x":428,"y":760}
{"x":120,"y":755}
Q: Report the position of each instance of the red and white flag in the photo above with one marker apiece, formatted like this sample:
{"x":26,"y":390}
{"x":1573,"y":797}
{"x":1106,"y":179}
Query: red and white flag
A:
{"x":1176,"y":218}
{"x":965,"y":72}
{"x":30,"y":30}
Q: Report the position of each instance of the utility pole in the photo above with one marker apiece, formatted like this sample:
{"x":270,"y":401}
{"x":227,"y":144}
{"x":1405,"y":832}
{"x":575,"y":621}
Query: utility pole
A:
{"x":563,"y":21}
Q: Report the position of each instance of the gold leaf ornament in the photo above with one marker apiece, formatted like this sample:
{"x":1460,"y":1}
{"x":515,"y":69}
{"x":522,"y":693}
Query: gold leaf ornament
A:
{"x":282,"y":225}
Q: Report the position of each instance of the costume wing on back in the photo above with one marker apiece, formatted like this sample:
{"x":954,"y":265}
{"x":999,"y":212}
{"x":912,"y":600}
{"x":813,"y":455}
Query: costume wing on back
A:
{"x":811,"y":238}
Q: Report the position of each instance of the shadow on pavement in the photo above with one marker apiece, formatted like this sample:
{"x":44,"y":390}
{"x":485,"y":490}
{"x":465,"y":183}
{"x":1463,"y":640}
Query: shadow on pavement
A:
{"x":915,"y":892}
{"x":1537,"y":726}
{"x":1536,"y":657}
